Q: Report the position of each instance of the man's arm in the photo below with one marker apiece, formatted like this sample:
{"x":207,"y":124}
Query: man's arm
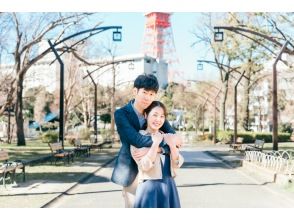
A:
{"x":126,"y":130}
{"x":167,"y":128}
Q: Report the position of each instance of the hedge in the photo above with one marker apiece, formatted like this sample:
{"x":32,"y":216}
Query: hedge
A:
{"x":250,"y":137}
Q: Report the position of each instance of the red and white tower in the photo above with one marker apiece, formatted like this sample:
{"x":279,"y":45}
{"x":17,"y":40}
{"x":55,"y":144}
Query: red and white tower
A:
{"x":158,"y":42}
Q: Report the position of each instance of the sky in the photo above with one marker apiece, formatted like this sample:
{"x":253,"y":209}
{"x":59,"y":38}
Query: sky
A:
{"x":130,"y":15}
{"x":183,"y":25}
{"x":133,"y":32}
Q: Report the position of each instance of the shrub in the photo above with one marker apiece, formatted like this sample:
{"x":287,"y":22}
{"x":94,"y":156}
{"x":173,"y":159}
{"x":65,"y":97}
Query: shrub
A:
{"x":286,"y":127}
{"x":50,"y":137}
{"x":210,"y":137}
{"x":224,"y":136}
{"x":248,"y":137}
{"x":284,"y":137}
{"x":85,"y":133}
{"x":267,"y":137}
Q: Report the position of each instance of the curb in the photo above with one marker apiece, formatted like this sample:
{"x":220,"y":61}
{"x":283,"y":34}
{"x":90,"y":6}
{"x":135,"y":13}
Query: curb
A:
{"x":232,"y":163}
{"x":261,"y":172}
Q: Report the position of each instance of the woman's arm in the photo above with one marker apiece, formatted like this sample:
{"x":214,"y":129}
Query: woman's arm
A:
{"x":147,"y":161}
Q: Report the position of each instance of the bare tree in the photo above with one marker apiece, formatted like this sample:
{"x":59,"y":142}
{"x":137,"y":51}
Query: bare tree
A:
{"x":28,"y":31}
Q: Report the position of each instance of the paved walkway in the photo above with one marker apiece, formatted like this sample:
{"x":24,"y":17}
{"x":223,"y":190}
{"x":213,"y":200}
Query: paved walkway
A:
{"x":206,"y":180}
{"x":37,"y":193}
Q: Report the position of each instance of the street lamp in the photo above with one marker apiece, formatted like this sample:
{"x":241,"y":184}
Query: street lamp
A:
{"x":275,"y":98}
{"x":199,"y":66}
{"x":235,"y":89}
{"x":218,"y":35}
{"x":89,"y":74}
{"x":284,"y":49}
{"x":94,"y":31}
{"x":131,"y":65}
{"x":116,"y":35}
{"x":214,"y":105}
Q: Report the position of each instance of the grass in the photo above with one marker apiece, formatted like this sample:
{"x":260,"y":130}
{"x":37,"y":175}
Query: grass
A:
{"x":61,"y":172}
{"x":33,"y":150}
{"x":281,"y":146}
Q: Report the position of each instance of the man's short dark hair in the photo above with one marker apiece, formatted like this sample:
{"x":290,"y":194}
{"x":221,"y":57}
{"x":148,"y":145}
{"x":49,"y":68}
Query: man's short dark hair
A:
{"x":147,"y":81}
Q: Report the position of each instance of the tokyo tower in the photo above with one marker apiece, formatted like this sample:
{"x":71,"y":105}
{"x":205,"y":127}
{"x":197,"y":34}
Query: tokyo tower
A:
{"x":158,"y":42}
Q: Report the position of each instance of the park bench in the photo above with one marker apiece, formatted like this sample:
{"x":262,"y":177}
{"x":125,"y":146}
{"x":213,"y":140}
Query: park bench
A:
{"x":58,"y":152}
{"x":238,"y":145}
{"x":257,"y":146}
{"x":95,"y":145}
{"x":8,"y":168}
{"x":81,"y":149}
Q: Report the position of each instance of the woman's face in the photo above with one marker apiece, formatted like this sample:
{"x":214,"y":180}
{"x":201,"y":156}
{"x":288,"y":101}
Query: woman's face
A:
{"x":156,"y":118}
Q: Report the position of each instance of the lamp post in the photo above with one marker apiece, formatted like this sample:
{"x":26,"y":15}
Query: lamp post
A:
{"x":284,"y":49}
{"x":116,"y":36}
{"x":275,"y":98}
{"x":131,"y":66}
{"x":235,"y":87}
{"x":95,"y":107}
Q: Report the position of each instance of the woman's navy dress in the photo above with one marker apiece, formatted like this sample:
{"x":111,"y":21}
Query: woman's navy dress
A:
{"x":161,"y":193}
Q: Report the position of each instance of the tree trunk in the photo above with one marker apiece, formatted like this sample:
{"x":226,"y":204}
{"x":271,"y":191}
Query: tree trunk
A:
{"x":245,"y":103}
{"x":112,"y":105}
{"x":18,"y":112}
{"x":223,"y":104}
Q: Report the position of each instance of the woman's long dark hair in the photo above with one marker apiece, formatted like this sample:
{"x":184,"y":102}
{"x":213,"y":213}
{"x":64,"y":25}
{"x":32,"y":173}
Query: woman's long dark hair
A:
{"x":152,"y":106}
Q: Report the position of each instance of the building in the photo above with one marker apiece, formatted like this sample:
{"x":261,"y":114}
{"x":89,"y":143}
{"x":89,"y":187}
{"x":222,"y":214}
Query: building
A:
{"x":127,"y":68}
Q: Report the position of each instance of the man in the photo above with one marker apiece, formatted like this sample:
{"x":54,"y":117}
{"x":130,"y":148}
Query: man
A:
{"x":129,"y":120}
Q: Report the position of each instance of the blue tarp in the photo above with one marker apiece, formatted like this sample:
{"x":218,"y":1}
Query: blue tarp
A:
{"x":33,"y":124}
{"x":50,"y":117}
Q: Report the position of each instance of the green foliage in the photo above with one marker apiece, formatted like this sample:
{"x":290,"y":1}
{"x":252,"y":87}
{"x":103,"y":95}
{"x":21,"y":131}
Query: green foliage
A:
{"x":250,"y":137}
{"x":284,"y":137}
{"x":50,"y":137}
{"x":49,"y":126}
{"x":286,"y":127}
{"x":224,"y":136}
{"x":106,"y":118}
{"x":267,"y":137}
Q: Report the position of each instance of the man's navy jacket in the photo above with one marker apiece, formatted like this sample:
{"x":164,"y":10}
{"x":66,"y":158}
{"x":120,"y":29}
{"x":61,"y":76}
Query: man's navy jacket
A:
{"x":128,"y":126}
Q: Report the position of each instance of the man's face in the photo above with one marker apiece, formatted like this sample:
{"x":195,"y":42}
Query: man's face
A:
{"x":144,"y":97}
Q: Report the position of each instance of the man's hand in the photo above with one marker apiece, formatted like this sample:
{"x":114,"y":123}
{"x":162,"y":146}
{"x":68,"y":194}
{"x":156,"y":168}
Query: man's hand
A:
{"x":139,"y":153}
{"x":179,"y":140}
{"x":173,"y":140}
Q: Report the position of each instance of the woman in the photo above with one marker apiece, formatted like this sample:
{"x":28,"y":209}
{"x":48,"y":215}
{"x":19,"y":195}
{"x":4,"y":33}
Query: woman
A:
{"x":157,"y":188}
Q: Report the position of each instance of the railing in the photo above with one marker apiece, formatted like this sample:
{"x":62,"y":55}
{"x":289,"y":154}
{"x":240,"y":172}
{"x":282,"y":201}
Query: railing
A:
{"x":278,"y":161}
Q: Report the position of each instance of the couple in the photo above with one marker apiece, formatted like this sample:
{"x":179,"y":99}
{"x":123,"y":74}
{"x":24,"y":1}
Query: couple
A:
{"x":149,"y":154}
